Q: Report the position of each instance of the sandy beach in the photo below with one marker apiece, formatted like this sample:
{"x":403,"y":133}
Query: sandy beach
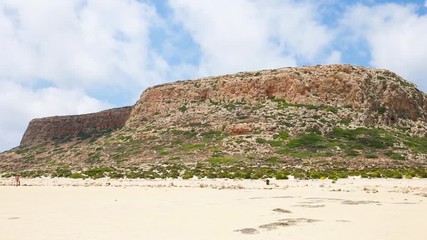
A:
{"x":354,"y":208}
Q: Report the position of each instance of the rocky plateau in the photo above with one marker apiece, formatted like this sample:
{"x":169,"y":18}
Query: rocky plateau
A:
{"x":333,"y":116}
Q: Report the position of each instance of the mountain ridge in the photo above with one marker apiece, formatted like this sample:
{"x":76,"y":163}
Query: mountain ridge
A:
{"x":329,"y":113}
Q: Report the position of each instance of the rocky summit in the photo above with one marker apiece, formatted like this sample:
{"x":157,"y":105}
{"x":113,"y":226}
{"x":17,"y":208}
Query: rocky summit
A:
{"x":316,"y":117}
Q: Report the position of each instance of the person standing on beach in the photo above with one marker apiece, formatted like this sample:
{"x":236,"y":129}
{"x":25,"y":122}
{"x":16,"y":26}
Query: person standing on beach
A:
{"x":17,"y":180}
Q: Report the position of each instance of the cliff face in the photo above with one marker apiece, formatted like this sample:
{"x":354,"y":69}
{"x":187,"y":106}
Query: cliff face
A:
{"x":359,"y":116}
{"x":78,"y":126}
{"x":363,"y":89}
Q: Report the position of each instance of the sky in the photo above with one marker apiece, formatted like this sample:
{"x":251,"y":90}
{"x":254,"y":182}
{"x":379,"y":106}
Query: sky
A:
{"x":80,"y":56}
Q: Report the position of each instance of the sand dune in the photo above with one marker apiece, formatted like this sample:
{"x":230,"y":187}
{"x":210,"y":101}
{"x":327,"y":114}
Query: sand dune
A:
{"x":213,"y":209}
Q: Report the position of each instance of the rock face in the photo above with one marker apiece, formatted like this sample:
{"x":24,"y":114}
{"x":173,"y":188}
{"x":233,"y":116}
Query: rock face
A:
{"x":355,"y":115}
{"x":79,"y":126}
{"x":365,"y":90}
{"x":360,"y":88}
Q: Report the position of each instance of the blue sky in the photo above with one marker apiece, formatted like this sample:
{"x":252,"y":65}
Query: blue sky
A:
{"x":79,"y":56}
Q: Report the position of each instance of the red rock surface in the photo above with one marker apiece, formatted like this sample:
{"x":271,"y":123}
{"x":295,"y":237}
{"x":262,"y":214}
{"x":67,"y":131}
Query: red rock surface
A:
{"x":373,"y":97}
{"x":67,"y":127}
{"x":242,"y":116}
{"x":363,"y":89}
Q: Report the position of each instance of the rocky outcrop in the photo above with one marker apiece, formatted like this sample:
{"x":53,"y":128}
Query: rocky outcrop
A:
{"x":366,"y":90}
{"x":62,"y":128}
{"x":380,"y":95}
{"x":320,"y":113}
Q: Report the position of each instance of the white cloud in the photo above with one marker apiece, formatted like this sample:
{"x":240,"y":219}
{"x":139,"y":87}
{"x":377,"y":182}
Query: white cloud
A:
{"x":396,"y":35}
{"x":19,"y":105}
{"x":93,"y":45}
{"x":296,"y":28}
{"x":333,"y":58}
{"x":75,"y":43}
{"x":249,"y":35}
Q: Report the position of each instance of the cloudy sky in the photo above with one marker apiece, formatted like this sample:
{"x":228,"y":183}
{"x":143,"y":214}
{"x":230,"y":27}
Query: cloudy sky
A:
{"x":79,"y":56}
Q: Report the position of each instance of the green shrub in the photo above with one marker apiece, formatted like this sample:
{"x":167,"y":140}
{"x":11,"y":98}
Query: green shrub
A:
{"x":258,"y":174}
{"x":362,"y":139}
{"x":394,"y":156}
{"x":374,"y":174}
{"x":340,"y":174}
{"x":421,"y":173}
{"x":82,"y":135}
{"x":189,"y":147}
{"x":211,"y":134}
{"x":230,"y":106}
{"x":331,"y":109}
{"x":281,"y":175}
{"x":62,"y":172}
{"x":346,"y":121}
{"x":397,"y":175}
{"x":164,"y":153}
{"x":284,"y":151}
{"x":116,"y":175}
{"x":187,"y":175}
{"x":302,"y":154}
{"x":306,"y":140}
{"x":381,"y":110}
{"x":275,"y":143}
{"x":372,"y":143}
{"x":177,"y":142}
{"x":351,"y":153}
{"x":183,"y":108}
{"x":186,"y":134}
{"x":281,"y":135}
{"x":77,"y":176}
{"x":391,"y":174}
{"x":273,"y":160}
{"x":221,"y":160}
{"x":98,"y":172}
{"x":417,"y":144}
{"x":316,"y":175}
{"x":299,"y":175}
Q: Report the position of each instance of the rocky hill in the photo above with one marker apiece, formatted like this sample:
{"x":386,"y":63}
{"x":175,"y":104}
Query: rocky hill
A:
{"x":64,"y":128}
{"x":335,"y":116}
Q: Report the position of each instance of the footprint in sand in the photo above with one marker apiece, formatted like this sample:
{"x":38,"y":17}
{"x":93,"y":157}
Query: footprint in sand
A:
{"x":309,"y":206}
{"x":350,"y":202}
{"x":272,"y":226}
{"x":287,"y":222}
{"x":247,"y":231}
{"x":280,"y":223}
{"x":405,"y":203}
{"x":343,"y":221}
{"x":281,"y":210}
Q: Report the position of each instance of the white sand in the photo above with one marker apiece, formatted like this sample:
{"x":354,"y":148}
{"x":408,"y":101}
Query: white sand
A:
{"x":213,"y":209}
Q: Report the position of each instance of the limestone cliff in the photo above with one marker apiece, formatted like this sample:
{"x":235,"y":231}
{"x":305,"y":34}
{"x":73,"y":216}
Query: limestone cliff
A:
{"x":62,"y":128}
{"x":296,"y":116}
{"x":360,"y":88}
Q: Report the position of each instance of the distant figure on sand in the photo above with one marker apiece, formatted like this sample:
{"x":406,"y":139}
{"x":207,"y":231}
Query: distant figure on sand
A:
{"x":17,"y":181}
